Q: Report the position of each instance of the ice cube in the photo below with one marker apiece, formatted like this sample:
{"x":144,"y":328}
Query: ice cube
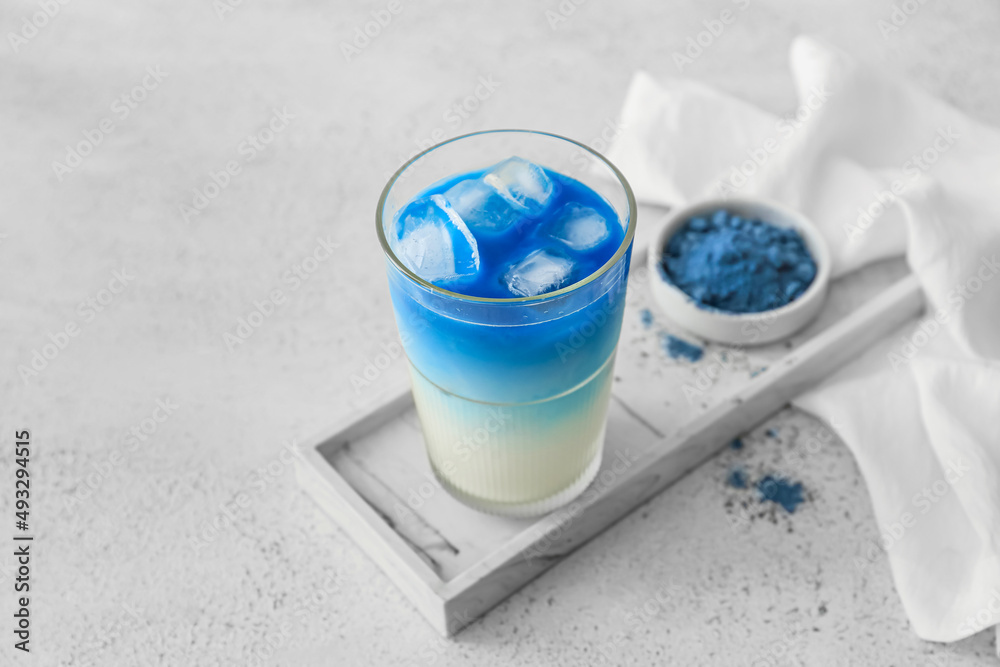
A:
{"x":579,"y":227}
{"x":481,"y":206}
{"x":538,"y":272}
{"x":432,"y":240}
{"x":524,"y":184}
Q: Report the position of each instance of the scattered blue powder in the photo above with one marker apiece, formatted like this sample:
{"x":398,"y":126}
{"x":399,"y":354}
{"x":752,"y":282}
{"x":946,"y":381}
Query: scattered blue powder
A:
{"x":757,"y":372}
{"x":676,"y":347}
{"x":772,"y":433}
{"x":647,"y":317}
{"x":781,"y":491}
{"x":736,"y":444}
{"x":737,"y":478}
{"x":737,"y":264}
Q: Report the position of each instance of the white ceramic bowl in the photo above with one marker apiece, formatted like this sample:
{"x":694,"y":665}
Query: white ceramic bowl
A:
{"x":742,"y":328}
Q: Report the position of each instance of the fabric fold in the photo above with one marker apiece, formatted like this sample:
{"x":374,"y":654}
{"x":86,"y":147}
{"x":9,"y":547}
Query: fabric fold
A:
{"x":884,"y":170}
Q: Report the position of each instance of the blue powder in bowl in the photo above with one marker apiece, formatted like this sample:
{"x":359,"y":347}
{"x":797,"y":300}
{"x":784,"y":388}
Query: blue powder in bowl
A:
{"x":740,"y":265}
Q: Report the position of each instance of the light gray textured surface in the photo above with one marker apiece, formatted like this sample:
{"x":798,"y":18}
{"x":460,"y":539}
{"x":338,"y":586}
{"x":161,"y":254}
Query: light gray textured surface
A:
{"x":134,"y":573}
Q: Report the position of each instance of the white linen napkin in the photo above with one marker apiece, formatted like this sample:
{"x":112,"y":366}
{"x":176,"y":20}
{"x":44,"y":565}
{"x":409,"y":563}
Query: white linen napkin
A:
{"x":884,"y":170}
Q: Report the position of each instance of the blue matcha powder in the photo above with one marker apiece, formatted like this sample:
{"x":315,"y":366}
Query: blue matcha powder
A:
{"x":736,"y":264}
{"x":786,"y":493}
{"x":737,"y":478}
{"x":680,"y":348}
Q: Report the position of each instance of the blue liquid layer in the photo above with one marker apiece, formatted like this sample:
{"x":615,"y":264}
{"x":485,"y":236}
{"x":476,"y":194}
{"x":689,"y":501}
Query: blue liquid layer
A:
{"x":516,"y":352}
{"x":498,"y":250}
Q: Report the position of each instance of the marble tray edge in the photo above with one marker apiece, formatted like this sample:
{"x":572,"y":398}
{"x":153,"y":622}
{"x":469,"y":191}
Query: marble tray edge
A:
{"x":452,"y":604}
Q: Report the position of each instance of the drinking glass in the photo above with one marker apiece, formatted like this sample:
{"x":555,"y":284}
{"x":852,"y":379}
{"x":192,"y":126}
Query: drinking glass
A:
{"x":512,"y":394}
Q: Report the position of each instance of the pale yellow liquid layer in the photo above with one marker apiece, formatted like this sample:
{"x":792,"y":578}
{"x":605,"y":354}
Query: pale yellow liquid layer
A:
{"x":515,"y":459}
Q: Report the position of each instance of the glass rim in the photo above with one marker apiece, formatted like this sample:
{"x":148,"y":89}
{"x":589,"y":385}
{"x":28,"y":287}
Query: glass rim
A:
{"x":619,"y":253}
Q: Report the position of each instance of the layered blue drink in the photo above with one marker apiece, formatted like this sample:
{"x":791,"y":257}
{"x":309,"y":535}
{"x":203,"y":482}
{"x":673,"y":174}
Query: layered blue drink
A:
{"x":508,"y":254}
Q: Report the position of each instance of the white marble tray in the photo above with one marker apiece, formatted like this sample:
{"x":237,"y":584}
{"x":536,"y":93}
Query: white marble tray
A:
{"x":667,"y":416}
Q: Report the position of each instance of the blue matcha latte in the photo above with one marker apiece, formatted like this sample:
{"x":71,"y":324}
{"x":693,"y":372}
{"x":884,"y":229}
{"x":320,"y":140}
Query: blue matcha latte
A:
{"x":512,"y":393}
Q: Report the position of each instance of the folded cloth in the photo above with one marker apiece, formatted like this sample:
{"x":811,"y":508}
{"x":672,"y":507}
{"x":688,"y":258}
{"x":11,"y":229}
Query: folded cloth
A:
{"x":884,"y":170}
